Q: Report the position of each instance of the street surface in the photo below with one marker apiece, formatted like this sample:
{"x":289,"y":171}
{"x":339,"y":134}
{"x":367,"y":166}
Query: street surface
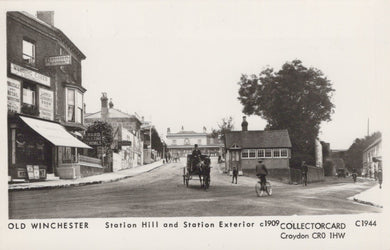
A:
{"x":161,"y":193}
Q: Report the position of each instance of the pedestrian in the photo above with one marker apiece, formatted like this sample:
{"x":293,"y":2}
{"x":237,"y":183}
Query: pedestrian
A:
{"x":304,"y":170}
{"x":235,"y":174}
{"x":380,"y":177}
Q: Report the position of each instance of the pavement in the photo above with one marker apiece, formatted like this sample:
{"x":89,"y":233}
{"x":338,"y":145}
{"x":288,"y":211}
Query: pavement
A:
{"x":374,"y":196}
{"x":55,"y":182}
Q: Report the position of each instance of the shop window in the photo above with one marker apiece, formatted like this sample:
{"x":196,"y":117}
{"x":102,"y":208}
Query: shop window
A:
{"x":68,"y":155}
{"x":260,"y":153}
{"x":28,"y":52}
{"x":284,"y":153}
{"x":245,"y":153}
{"x":268,"y":153}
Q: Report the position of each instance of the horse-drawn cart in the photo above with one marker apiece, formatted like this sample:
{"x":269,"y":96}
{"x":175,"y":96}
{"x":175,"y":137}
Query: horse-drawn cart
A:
{"x":197,"y":168}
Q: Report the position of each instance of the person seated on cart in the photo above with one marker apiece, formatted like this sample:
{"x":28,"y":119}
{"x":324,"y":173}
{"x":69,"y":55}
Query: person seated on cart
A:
{"x":196,"y":157}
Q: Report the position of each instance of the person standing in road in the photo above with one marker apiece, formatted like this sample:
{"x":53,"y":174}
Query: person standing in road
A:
{"x":304,"y":170}
{"x":380,"y":177}
{"x":235,"y":174}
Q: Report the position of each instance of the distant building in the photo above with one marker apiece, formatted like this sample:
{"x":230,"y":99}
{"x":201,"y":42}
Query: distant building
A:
{"x":372,"y":158}
{"x":127,"y":131}
{"x":44,"y":97}
{"x":182,"y":142}
{"x":245,"y":148}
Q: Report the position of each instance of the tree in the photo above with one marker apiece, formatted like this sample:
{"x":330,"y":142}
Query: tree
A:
{"x":354,"y":156}
{"x":295,"y":98}
{"x":106,"y":132}
{"x":223,"y":127}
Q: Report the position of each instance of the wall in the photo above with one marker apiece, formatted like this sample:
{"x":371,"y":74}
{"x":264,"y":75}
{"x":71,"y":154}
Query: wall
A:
{"x":272,"y":163}
{"x":314,"y":174}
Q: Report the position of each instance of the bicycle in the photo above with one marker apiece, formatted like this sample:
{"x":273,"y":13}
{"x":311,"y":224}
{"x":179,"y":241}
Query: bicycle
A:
{"x":267,"y":188}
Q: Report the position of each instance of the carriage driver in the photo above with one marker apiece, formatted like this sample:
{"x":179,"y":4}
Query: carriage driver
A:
{"x":196,"y":154}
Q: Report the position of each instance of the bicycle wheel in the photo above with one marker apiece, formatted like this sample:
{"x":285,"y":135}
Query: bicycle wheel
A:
{"x":268,"y":188}
{"x":258,"y":189}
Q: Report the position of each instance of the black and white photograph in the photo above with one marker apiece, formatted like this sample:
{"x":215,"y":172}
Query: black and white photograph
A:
{"x":195,"y":124}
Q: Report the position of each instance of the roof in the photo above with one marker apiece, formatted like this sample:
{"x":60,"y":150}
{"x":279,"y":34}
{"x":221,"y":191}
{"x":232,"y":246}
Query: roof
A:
{"x":258,"y":139}
{"x":56,"y":31}
{"x":112,"y":113}
{"x":377,"y":141}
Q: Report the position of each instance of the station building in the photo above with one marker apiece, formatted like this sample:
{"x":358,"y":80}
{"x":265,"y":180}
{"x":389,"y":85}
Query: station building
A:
{"x":44,"y":98}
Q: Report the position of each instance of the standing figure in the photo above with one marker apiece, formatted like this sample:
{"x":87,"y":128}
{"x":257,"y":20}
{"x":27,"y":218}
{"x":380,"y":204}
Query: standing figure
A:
{"x":304,"y":170}
{"x":380,"y":177}
{"x":235,"y":174}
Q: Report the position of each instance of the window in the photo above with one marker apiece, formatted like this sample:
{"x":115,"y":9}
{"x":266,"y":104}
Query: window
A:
{"x":199,"y":141}
{"x":174,"y":142}
{"x":28,"y":52}
{"x":29,"y":96}
{"x":260,"y":153}
{"x":276,"y":153}
{"x":284,"y":153}
{"x":268,"y":153}
{"x":74,"y":107}
{"x":245,"y":153}
{"x":186,"y":141}
{"x":252,"y":153}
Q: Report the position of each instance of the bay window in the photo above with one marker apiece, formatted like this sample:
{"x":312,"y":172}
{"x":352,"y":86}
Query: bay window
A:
{"x":74,"y":106}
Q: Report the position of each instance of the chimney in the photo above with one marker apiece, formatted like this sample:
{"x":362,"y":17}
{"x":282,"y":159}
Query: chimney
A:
{"x":104,"y":110}
{"x":244,"y":124}
{"x":204,"y":129}
{"x":111,"y":103}
{"x":46,"y":16}
{"x":168,"y":130}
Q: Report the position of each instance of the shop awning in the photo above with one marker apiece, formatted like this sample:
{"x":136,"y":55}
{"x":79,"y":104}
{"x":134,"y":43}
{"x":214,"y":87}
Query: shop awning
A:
{"x":54,"y":133}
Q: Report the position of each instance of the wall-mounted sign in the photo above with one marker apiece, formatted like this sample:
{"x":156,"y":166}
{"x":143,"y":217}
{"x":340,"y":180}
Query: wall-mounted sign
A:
{"x":58,"y":60}
{"x":46,"y":104}
{"x":13,"y":95}
{"x":124,"y":143}
{"x":93,"y":138}
{"x":30,"y":75}
{"x":33,"y":172}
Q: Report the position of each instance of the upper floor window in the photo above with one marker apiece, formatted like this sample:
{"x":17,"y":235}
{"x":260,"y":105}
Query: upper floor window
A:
{"x":199,"y":141}
{"x":28,"y":52}
{"x":29,"y":96}
{"x":174,"y":142}
{"x":74,"y":106}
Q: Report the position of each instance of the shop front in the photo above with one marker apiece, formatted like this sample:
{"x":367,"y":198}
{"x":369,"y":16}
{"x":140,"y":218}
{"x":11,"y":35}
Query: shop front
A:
{"x":38,"y":147}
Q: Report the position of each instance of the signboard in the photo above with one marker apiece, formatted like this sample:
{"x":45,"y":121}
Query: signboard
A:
{"x":124,"y":143}
{"x":93,"y":138}
{"x":13,"y":95}
{"x":46,"y":104}
{"x":58,"y":60}
{"x":30,"y":75}
{"x":33,"y":172}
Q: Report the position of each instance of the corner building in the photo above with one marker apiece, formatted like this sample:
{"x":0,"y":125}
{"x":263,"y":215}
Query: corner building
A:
{"x":44,"y":98}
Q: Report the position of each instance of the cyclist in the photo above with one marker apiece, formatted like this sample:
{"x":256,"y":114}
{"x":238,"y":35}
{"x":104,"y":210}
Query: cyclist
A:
{"x":261,"y":172}
{"x":354,"y":174}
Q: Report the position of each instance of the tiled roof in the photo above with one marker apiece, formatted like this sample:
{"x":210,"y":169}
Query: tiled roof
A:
{"x":258,"y":139}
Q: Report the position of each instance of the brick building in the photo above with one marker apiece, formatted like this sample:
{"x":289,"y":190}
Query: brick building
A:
{"x":45,"y":98}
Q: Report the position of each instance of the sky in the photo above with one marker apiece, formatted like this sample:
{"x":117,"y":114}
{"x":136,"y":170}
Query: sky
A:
{"x":179,"y":63}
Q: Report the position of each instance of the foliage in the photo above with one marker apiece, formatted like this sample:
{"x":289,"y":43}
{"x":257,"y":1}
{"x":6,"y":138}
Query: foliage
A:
{"x":106,"y":131}
{"x":354,"y":156}
{"x":223,"y":127}
{"x":295,"y":98}
{"x":156,"y":140}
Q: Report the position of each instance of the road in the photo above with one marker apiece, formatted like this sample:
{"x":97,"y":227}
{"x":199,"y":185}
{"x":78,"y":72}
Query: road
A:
{"x":161,"y":193}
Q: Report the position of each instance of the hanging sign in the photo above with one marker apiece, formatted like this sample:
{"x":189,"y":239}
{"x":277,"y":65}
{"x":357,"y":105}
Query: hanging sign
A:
{"x":58,"y":60}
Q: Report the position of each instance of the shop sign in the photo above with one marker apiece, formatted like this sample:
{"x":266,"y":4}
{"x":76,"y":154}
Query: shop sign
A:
{"x":93,"y":138}
{"x":46,"y":104}
{"x":124,"y":143}
{"x":58,"y":60}
{"x":30,"y":75}
{"x":13,"y":95}
{"x":33,"y":172}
